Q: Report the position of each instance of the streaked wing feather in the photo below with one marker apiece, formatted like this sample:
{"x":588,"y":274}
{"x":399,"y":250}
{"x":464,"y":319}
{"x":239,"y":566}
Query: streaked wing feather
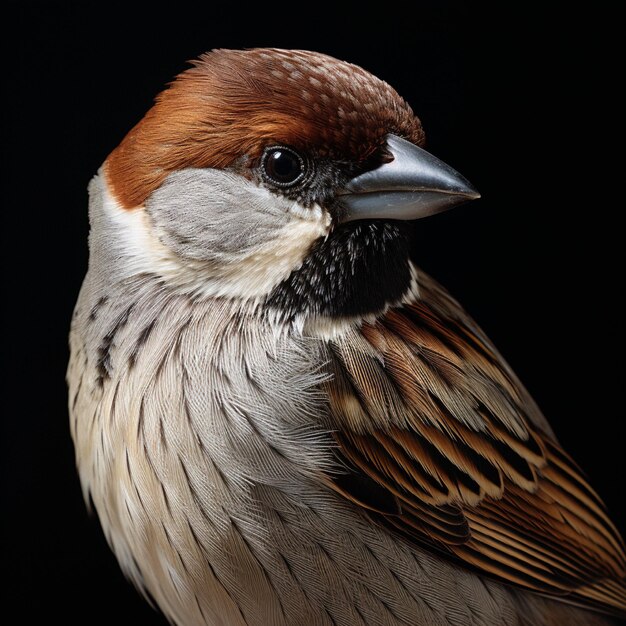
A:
{"x":424,"y":408}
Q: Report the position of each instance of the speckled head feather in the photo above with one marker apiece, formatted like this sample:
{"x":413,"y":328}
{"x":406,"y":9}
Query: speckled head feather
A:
{"x":233,"y":103}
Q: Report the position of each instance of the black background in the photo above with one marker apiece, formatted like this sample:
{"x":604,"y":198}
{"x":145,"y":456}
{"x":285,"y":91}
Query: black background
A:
{"x":525,"y":100}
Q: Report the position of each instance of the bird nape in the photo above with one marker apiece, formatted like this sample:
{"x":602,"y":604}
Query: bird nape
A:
{"x":278,"y":417}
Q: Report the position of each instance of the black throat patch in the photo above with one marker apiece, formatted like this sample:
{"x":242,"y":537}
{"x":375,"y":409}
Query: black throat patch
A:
{"x":358,"y":269}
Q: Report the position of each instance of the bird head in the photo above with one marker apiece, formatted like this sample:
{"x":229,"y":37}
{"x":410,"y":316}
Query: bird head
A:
{"x":279,"y":178}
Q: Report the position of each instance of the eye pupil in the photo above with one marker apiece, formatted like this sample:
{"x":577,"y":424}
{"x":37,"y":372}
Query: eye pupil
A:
{"x":283,"y":166}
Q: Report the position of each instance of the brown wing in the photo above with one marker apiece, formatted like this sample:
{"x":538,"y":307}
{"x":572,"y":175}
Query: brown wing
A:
{"x":446,"y":446}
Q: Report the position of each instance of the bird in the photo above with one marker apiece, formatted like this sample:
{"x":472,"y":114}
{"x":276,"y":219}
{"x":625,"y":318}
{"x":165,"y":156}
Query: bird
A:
{"x":278,"y":418}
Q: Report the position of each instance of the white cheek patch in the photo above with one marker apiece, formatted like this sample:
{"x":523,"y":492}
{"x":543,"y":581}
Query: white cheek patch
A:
{"x":248,"y":273}
{"x":257,"y":273}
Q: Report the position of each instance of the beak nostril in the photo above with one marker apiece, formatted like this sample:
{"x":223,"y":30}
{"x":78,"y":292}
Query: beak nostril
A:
{"x":386,"y":155}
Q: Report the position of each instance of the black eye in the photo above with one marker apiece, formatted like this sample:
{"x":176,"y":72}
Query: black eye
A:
{"x":282,"y":166}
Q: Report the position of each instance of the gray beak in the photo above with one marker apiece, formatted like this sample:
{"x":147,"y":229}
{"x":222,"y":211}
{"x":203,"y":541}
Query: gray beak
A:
{"x":415,"y":184}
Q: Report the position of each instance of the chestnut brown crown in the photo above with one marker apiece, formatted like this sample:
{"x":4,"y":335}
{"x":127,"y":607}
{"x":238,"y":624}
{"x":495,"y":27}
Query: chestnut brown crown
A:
{"x":231,"y":104}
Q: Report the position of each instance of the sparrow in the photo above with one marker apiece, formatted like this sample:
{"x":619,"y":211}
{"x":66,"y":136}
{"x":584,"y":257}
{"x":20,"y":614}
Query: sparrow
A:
{"x":278,"y":418}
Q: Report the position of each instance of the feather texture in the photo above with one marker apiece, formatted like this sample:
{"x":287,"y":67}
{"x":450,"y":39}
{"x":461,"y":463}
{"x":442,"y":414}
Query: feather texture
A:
{"x":234,"y":102}
{"x":423,"y":405}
